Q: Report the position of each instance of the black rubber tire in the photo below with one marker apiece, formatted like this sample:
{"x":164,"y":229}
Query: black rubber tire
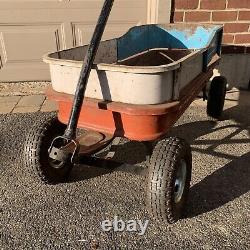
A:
{"x":36,"y":155}
{"x":216,"y":97}
{"x":163,"y":166}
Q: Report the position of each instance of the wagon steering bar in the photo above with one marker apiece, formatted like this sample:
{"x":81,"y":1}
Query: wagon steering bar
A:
{"x":70,"y":133}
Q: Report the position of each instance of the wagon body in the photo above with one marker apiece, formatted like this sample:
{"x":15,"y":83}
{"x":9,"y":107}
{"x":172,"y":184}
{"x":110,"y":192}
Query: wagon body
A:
{"x":150,"y":64}
{"x":131,"y":92}
{"x":135,"y":122}
{"x":139,"y":86}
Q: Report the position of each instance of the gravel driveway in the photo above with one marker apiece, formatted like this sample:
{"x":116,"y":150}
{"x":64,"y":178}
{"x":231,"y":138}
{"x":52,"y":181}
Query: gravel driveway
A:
{"x":68,"y":216}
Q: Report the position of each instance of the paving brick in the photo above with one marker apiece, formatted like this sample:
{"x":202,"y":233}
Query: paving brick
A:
{"x":9,"y":99}
{"x":49,"y":106}
{"x":7,"y":108}
{"x":28,"y":109}
{"x":31,"y":101}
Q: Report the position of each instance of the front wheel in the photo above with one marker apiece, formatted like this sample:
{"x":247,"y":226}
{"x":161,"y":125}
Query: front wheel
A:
{"x":36,"y":154}
{"x":169,"y":178}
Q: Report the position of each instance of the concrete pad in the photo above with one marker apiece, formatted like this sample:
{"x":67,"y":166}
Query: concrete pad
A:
{"x":32,"y":100}
{"x":235,"y":67}
{"x":49,"y":106}
{"x":30,"y":109}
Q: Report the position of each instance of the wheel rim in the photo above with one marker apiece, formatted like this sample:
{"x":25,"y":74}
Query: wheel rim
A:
{"x":56,"y":164}
{"x":180,"y":181}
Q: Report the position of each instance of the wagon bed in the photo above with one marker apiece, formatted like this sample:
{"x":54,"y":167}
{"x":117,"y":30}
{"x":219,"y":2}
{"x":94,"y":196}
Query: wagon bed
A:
{"x":150,"y":64}
{"x":135,"y":122}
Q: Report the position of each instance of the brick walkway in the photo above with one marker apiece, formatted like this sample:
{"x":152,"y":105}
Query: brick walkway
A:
{"x":26,"y":104}
{"x":38,"y":102}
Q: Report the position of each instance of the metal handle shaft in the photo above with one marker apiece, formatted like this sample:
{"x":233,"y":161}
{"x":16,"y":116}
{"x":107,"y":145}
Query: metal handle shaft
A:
{"x":70,"y":132}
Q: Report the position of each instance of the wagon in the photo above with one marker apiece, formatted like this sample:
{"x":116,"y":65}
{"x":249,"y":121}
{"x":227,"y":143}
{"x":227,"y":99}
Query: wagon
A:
{"x":139,"y":86}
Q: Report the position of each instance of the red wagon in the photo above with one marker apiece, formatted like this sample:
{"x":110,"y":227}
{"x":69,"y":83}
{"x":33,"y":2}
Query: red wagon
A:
{"x":139,"y":86}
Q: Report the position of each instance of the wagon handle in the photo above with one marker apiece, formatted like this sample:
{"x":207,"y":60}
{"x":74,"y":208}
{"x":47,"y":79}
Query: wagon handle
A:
{"x":70,"y":132}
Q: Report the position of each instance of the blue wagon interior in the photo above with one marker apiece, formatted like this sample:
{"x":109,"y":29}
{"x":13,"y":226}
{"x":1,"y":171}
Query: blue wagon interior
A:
{"x":153,"y":45}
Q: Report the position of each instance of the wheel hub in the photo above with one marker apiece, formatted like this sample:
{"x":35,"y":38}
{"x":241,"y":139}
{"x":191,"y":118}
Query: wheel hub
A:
{"x":56,"y":164}
{"x":180,"y":181}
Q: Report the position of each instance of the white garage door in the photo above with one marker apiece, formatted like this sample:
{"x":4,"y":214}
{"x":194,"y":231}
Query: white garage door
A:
{"x":29,"y":29}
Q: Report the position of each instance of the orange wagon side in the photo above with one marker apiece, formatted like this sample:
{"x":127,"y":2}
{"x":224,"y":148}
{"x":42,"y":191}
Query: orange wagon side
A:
{"x":135,"y":122}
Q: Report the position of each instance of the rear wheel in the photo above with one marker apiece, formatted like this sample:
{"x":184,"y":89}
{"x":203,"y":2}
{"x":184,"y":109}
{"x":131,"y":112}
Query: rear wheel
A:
{"x":169,"y":178}
{"x":36,"y":154}
{"x":216,"y":97}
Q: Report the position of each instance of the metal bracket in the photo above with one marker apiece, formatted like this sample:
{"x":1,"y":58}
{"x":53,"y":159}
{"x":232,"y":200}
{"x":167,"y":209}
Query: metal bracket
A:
{"x":69,"y":149}
{"x":62,"y":148}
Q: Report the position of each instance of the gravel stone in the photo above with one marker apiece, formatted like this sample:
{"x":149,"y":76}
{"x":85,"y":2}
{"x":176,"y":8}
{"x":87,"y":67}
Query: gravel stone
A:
{"x":68,"y":216}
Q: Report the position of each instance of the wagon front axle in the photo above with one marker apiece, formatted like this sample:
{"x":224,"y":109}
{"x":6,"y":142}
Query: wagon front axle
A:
{"x":68,"y":143}
{"x":86,"y":144}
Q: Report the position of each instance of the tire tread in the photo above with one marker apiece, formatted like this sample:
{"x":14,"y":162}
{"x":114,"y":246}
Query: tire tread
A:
{"x":38,"y":136}
{"x":161,"y":170}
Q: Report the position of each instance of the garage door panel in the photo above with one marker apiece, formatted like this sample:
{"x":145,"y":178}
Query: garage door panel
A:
{"x":30,"y":72}
{"x":82,"y":32}
{"x":25,"y":43}
{"x":31,"y":28}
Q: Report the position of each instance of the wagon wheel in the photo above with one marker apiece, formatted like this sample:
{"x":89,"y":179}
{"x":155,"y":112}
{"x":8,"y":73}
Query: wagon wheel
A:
{"x":216,"y":97}
{"x":36,"y":154}
{"x":169,"y":178}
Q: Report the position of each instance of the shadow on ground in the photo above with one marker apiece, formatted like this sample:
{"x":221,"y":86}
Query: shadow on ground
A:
{"x":241,"y":112}
{"x":213,"y":191}
{"x":230,"y":181}
{"x":124,"y":160}
{"x":222,"y":186}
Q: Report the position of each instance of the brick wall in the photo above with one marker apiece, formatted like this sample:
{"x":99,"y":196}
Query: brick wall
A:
{"x":234,"y":14}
